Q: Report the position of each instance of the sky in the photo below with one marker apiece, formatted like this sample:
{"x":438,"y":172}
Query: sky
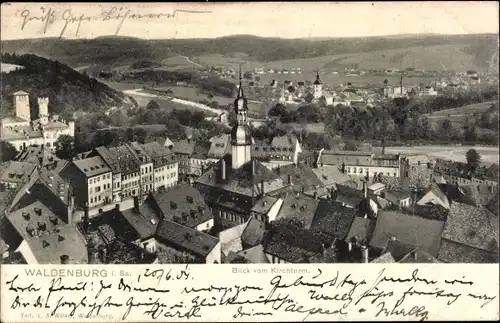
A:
{"x":284,"y":20}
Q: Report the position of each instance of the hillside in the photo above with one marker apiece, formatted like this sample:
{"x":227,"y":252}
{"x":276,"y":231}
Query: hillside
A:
{"x":67,"y":90}
{"x":470,"y":51}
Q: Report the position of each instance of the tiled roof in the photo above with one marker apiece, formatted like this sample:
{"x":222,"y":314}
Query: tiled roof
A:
{"x":66,"y":240}
{"x":473,"y":226}
{"x":20,"y":133}
{"x":333,"y":219}
{"x":241,"y":180}
{"x":122,"y":228}
{"x":330,"y":175}
{"x":361,"y":229}
{"x":120,"y":159}
{"x":184,"y":238}
{"x":15,"y":171}
{"x":399,"y":194}
{"x":160,"y":155}
{"x":348,"y":195}
{"x":37,"y":155}
{"x":255,"y":255}
{"x":411,"y":230}
{"x":433,"y":212}
{"x":292,"y":244}
{"x":184,"y":146}
{"x":299,"y":207}
{"x":122,"y":252}
{"x":302,"y":176}
{"x":220,"y":146}
{"x":92,"y":166}
{"x":454,"y":252}
{"x":182,"y":204}
{"x":398,"y":249}
{"x":20,"y":92}
{"x":386,"y":258}
{"x":33,"y":220}
{"x":144,"y":220}
{"x":350,"y":158}
{"x":437,"y":191}
{"x":253,"y":233}
{"x":201,"y":149}
{"x":264,"y":204}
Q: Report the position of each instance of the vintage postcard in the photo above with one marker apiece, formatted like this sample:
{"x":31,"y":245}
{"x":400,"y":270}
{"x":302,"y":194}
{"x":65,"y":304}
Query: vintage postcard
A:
{"x":249,"y":161}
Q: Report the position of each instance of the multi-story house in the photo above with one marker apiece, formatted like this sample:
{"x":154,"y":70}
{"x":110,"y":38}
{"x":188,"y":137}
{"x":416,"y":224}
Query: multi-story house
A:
{"x":125,"y":168}
{"x":283,"y":150}
{"x":146,"y":168}
{"x":91,"y":181}
{"x":165,"y":165}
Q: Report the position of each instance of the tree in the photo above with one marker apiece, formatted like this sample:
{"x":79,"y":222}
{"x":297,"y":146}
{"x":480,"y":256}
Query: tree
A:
{"x":8,"y":151}
{"x":291,"y":89}
{"x":153,"y":105}
{"x":309,"y":97}
{"x":386,"y":82}
{"x":473,"y":159}
{"x":257,"y":78}
{"x":65,"y":147}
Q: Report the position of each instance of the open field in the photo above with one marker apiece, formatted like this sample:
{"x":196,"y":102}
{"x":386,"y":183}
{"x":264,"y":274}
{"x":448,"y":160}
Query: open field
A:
{"x":7,"y":68}
{"x":489,"y":155}
{"x":463,"y":112}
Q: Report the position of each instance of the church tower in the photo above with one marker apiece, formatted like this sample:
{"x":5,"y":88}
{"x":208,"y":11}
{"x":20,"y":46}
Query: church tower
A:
{"x":318,"y":87}
{"x":22,"y":105}
{"x":241,"y":137}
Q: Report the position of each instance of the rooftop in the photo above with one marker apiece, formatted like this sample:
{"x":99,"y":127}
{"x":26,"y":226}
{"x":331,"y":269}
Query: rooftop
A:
{"x":184,"y":146}
{"x":187,"y":239}
{"x":144,"y":220}
{"x":48,"y":247}
{"x":120,"y":159}
{"x":361,"y":229}
{"x":182,"y":204}
{"x":254,"y":255}
{"x":92,"y":166}
{"x":300,"y":208}
{"x":292,"y":244}
{"x":15,"y":171}
{"x":410,"y":230}
{"x":242,"y":180}
{"x":302,"y":177}
{"x":455,"y":252}
{"x":333,"y":219}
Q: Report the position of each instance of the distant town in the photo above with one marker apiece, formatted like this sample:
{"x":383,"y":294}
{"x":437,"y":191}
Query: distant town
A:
{"x":228,"y":156}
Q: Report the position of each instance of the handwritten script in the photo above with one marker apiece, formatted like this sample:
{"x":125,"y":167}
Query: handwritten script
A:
{"x":239,"y":293}
{"x":45,"y":17}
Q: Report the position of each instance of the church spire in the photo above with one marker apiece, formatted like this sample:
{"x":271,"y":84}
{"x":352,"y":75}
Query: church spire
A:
{"x":240,"y":88}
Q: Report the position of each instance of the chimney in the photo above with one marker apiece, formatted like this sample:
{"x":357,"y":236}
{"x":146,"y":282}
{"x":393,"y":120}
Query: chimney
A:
{"x":365,"y":189}
{"x":117,"y":206}
{"x":262,"y":187}
{"x":349,"y":246}
{"x":364,"y":254}
{"x":223,"y":169}
{"x":86,"y":218}
{"x":343,"y":168}
{"x":253,"y":167}
{"x":383,"y":146}
{"x":136,"y":203}
{"x":290,"y":179}
{"x":64,"y":259}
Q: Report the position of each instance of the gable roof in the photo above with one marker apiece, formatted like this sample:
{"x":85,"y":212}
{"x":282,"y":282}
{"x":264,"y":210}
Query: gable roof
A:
{"x":184,"y":146}
{"x":201,"y":149}
{"x":348,"y":195}
{"x":333,"y":219}
{"x":455,"y":252}
{"x":298,"y":207}
{"x":255,"y":255}
{"x":361,"y":229}
{"x":411,"y":230}
{"x":253,"y":233}
{"x":220,"y":146}
{"x":330,"y":175}
{"x":303,"y":177}
{"x":182,"y":204}
{"x":120,"y":159}
{"x":472,"y":226}
{"x":15,"y":171}
{"x":291,"y":243}
{"x":144,"y":220}
{"x":92,"y":166}
{"x":184,"y":238}
{"x":66,"y":240}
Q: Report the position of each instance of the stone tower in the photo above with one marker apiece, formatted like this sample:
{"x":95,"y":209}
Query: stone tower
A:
{"x":241,"y":137}
{"x":43,"y":110}
{"x":22,"y":105}
{"x":318,"y":87}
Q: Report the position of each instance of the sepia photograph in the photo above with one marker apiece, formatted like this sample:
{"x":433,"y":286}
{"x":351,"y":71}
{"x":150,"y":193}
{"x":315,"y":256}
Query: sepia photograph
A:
{"x":249,"y":133}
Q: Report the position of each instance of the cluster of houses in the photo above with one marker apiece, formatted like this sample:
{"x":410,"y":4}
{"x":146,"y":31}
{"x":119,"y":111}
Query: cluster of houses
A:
{"x":236,"y":200}
{"x":22,"y":130}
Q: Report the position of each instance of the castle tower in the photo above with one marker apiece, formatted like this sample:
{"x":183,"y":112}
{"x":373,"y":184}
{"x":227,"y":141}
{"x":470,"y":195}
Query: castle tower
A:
{"x":22,"y":105}
{"x":318,"y":87}
{"x":241,"y":138}
{"x":43,"y":110}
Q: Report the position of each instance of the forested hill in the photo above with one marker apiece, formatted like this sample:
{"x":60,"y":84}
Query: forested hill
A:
{"x":68,"y":91}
